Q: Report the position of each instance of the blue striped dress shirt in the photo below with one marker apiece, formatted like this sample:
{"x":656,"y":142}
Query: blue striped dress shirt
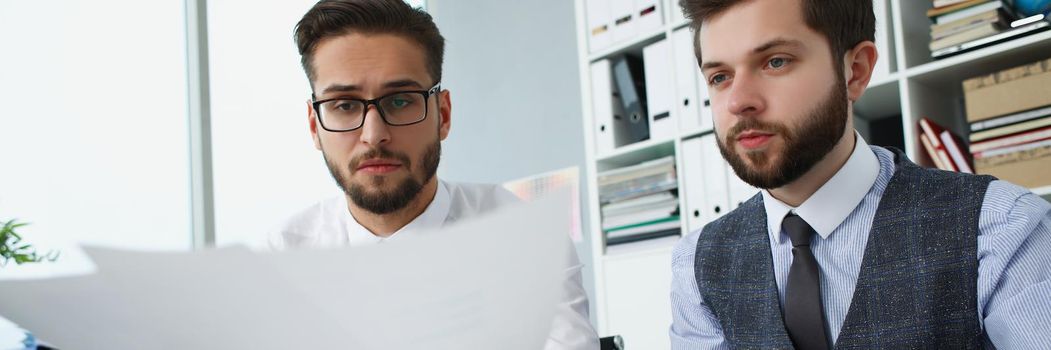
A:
{"x":1014,"y":255}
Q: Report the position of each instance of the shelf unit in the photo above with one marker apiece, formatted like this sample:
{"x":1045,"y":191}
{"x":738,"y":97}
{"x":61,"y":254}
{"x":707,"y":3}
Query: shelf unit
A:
{"x":916,"y":87}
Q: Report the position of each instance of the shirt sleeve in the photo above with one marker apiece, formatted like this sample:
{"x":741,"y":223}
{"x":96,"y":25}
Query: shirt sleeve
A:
{"x":571,"y":328}
{"x":693,"y":324}
{"x":1014,"y":272}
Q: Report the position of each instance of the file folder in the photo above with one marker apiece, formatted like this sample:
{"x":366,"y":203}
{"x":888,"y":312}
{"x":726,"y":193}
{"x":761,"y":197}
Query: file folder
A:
{"x":659,"y":84}
{"x":676,"y":14}
{"x":600,"y":25}
{"x":602,"y":106}
{"x":693,"y":184}
{"x":703,"y":95}
{"x":687,"y":102}
{"x":623,"y":18}
{"x":740,"y":191}
{"x":649,"y":14}
{"x":633,"y":125}
{"x":884,"y":66}
{"x":716,"y":193}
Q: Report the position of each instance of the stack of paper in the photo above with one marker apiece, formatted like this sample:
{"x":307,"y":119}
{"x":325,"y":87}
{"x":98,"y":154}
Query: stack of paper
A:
{"x":640,"y":202}
{"x":491,"y":283}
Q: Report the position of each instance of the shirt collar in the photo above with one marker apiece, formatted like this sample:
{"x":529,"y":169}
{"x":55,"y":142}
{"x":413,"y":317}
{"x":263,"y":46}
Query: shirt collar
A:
{"x":827,"y":208}
{"x":431,"y":218}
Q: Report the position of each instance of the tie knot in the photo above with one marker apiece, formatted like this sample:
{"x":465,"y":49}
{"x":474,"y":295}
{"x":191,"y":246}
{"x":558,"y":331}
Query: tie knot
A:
{"x":798,"y":230}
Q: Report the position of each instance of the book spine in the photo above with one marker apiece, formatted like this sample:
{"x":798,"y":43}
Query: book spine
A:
{"x":946,"y":160}
{"x":928,"y":130}
{"x":932,"y":152}
{"x":956,"y":152}
{"x":642,"y":237}
{"x":1010,"y":119}
{"x":1012,"y":149}
{"x":1037,"y":135}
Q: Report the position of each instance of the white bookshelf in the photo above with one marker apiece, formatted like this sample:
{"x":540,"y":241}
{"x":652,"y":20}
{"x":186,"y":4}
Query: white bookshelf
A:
{"x":916,"y":87}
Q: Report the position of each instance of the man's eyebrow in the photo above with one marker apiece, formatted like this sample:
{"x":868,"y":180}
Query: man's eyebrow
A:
{"x":777,"y":42}
{"x":711,"y":64}
{"x":767,"y":46}
{"x":341,"y":88}
{"x":401,"y":83}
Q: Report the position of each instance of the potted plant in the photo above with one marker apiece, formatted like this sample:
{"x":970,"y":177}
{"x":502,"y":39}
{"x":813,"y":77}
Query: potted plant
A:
{"x":12,"y":249}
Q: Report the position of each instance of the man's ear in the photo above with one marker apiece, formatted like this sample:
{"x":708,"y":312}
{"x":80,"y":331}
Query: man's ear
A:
{"x":445,"y":110}
{"x":857,"y":65}
{"x":312,"y":121}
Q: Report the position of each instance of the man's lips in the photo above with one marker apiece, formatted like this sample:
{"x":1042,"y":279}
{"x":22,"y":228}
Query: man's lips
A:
{"x":751,"y":139}
{"x":378,"y":166}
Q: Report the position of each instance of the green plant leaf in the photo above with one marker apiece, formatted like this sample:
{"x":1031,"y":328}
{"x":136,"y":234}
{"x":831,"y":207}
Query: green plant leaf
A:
{"x":11,"y":250}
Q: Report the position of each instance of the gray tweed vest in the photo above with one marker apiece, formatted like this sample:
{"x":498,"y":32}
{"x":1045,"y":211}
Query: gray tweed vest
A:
{"x":917,"y":288}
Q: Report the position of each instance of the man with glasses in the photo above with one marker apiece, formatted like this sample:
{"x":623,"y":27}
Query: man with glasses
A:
{"x":378,"y":116}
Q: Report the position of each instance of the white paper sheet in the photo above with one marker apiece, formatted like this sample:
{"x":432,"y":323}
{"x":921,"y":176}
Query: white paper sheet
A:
{"x":490,"y":283}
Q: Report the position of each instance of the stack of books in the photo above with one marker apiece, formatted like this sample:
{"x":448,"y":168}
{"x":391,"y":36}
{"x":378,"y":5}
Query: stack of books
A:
{"x":1009,"y":113}
{"x":946,"y":149}
{"x":640,"y":202}
{"x":961,"y":25}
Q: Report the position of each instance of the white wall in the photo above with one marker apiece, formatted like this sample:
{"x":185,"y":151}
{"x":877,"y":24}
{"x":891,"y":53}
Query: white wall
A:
{"x":93,"y":125}
{"x":512,"y":69}
{"x":265,"y":166}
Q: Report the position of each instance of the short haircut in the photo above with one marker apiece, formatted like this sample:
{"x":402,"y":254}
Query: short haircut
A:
{"x":845,"y":23}
{"x":330,"y":18}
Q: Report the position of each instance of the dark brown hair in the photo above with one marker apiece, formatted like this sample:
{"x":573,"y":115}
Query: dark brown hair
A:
{"x":329,"y":18}
{"x":845,"y":23}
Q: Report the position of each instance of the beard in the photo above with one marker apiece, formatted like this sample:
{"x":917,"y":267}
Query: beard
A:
{"x":369,"y":196}
{"x":805,"y":145}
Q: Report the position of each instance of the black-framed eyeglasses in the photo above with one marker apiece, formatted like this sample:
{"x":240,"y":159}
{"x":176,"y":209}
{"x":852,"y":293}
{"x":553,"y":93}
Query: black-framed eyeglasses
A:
{"x":396,"y":109}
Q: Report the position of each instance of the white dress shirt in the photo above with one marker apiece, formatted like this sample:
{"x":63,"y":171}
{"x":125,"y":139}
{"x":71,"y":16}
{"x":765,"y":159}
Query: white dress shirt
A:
{"x":329,"y":223}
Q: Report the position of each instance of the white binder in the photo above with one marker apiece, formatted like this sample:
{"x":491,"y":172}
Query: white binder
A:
{"x":623,"y":18}
{"x":676,"y":13}
{"x":602,"y":106}
{"x":687,"y":102}
{"x":716,"y":193}
{"x":740,"y":191}
{"x":657,"y":62}
{"x":600,"y":24}
{"x":649,"y":14}
{"x":693,"y":184}
{"x":884,"y":63}
{"x":705,"y":107}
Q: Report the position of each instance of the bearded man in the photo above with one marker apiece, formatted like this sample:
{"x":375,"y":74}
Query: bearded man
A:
{"x":378,"y":115}
{"x":848,"y":245}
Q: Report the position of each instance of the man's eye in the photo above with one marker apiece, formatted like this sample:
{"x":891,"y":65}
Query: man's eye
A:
{"x":400,"y":102}
{"x":717,"y":79}
{"x":778,"y":62}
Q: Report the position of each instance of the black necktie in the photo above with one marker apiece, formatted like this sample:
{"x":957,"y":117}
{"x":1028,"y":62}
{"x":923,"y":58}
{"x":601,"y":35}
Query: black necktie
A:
{"x":804,"y":316}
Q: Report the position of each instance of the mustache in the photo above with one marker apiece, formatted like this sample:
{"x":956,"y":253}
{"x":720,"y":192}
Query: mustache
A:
{"x":755,"y":124}
{"x":379,"y":152}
